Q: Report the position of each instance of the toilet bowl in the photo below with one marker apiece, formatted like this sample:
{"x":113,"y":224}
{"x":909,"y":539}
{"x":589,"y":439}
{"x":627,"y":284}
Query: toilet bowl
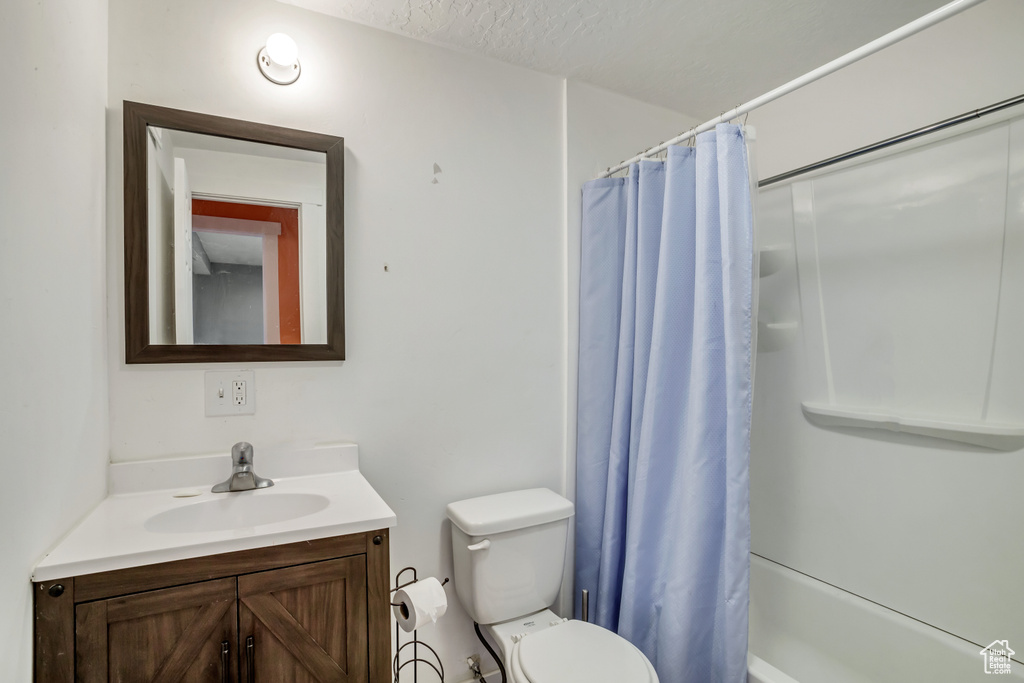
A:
{"x":544,"y":648}
{"x":509,"y":552}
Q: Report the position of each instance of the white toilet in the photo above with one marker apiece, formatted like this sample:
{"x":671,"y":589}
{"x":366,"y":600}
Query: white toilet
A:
{"x":509,"y":553}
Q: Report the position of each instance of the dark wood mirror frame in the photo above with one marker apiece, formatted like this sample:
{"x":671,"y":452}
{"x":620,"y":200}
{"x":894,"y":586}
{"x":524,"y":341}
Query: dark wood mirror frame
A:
{"x":136,"y":237}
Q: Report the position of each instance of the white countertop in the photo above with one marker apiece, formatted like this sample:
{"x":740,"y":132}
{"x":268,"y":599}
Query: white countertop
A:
{"x":114,"y":535}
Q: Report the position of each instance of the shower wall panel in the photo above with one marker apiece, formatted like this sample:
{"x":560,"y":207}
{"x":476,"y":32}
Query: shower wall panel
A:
{"x":900,"y":289}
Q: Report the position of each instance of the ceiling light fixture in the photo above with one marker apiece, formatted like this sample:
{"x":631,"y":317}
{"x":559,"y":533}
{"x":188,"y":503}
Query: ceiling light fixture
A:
{"x":279,"y":60}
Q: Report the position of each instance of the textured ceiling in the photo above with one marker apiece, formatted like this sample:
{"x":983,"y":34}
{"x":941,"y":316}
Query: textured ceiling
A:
{"x":698,"y":57}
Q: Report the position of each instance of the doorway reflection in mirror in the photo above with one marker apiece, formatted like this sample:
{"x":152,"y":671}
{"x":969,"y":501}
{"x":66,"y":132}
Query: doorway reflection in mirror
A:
{"x":237,"y":235}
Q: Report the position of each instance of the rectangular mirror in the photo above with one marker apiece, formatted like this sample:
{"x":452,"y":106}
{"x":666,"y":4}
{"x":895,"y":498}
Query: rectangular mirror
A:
{"x":233,"y":240}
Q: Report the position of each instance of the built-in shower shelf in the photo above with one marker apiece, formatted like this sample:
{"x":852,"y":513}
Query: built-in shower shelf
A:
{"x":1002,"y":437}
{"x":773,"y":258}
{"x":780,"y":327}
{"x":775,"y":336}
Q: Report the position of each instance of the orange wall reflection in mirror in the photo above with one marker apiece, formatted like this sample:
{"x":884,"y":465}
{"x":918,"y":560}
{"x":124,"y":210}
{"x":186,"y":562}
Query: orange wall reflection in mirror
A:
{"x":287,"y":254}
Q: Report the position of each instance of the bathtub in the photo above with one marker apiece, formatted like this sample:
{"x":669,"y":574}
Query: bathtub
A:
{"x":760,"y":671}
{"x":803,"y":630}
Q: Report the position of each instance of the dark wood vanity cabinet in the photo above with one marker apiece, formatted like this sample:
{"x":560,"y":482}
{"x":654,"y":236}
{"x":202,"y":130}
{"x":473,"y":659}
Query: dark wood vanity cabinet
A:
{"x":305,"y":624}
{"x":305,"y":612}
{"x":185,"y":633}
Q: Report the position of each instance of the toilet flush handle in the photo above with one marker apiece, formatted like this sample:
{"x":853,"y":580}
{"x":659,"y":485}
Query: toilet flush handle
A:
{"x":482,"y":545}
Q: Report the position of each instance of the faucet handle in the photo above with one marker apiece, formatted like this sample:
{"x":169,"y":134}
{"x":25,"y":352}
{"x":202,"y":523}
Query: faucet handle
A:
{"x":243,"y":477}
{"x":241,"y":453}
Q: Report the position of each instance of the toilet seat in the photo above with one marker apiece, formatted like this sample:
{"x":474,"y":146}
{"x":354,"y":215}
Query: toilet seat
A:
{"x":578,"y":651}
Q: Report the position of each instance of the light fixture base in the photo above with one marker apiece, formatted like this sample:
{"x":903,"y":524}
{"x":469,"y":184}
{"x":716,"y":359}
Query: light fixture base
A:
{"x":277,"y":73}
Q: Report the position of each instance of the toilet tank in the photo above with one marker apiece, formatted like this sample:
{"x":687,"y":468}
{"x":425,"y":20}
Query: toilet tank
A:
{"x":509,"y":551}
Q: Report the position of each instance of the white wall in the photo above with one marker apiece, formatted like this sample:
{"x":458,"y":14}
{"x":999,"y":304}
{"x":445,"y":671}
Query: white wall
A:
{"x":964,"y":63}
{"x":602,"y":129}
{"x":454,"y":383}
{"x":900,"y":520}
{"x":53,"y":407}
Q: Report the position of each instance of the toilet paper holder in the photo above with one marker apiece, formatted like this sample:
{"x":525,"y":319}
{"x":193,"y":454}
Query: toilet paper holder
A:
{"x":396,"y":664}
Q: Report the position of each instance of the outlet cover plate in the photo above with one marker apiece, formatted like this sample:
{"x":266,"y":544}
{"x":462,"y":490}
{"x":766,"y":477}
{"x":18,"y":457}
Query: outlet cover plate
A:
{"x":220,"y":395}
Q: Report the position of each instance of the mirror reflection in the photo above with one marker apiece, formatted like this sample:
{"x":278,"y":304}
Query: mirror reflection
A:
{"x":237,"y":241}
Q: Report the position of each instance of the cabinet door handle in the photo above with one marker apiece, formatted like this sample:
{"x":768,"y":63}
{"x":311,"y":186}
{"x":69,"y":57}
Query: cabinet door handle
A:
{"x":250,"y":660}
{"x":225,"y":662}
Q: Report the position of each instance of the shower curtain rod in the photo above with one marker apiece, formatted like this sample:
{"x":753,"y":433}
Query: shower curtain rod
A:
{"x":895,"y":140}
{"x":928,"y":20}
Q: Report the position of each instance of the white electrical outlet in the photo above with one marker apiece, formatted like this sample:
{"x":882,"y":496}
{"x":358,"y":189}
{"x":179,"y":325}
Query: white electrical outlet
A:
{"x":238,"y":392}
{"x":230,"y":393}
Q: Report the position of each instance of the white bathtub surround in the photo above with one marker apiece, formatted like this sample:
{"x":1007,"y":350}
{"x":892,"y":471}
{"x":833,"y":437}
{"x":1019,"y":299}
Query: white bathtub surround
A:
{"x":151,"y":515}
{"x":906,"y":275}
{"x":814,"y":631}
{"x":760,"y":671}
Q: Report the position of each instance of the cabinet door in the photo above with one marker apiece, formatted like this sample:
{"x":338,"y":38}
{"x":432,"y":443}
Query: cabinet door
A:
{"x":305,"y":624}
{"x":185,"y":634}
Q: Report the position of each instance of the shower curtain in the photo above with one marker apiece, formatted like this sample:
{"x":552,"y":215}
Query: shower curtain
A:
{"x":663,"y":426}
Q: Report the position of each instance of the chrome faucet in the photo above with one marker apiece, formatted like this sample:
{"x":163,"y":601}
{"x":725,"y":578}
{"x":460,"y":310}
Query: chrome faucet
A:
{"x":243,"y":477}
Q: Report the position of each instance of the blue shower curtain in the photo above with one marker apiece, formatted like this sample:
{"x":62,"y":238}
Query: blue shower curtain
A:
{"x":663,"y":428}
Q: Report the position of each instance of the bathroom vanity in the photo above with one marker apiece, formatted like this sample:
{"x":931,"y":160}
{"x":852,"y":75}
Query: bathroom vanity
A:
{"x":165,"y":585}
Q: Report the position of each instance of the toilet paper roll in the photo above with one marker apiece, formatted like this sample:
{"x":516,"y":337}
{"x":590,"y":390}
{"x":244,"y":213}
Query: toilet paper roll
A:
{"x":419,"y":604}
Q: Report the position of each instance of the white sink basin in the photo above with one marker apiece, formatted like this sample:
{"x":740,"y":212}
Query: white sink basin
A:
{"x":318,"y":493}
{"x":236,"y":511}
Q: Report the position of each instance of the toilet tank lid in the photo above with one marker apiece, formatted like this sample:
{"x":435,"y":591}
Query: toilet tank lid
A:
{"x":508,"y":511}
